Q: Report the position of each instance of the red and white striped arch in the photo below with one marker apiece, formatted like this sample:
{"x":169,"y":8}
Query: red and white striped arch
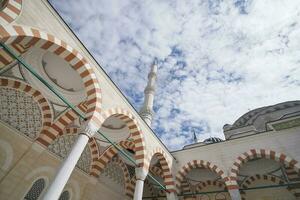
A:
{"x":134,"y":130}
{"x":35,"y":94}
{"x":57,"y":127}
{"x":197,"y":164}
{"x":21,"y":38}
{"x":131,"y":186}
{"x":250,"y":181}
{"x":11,"y":10}
{"x":156,"y":171}
{"x":208,"y":183}
{"x":107,"y":155}
{"x":127,"y":181}
{"x":166,"y":169}
{"x":92,"y":144}
{"x":258,"y":153}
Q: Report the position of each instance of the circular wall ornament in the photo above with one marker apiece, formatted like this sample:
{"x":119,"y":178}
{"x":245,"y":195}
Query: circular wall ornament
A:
{"x":56,"y":71}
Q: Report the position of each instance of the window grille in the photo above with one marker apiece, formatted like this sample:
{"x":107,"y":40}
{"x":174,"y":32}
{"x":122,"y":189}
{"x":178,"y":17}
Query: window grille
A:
{"x":64,"y":196}
{"x":35,"y":190}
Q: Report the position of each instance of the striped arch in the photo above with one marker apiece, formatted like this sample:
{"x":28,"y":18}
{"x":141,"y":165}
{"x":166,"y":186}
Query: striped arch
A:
{"x":134,"y":129}
{"x":166,"y":169}
{"x":126,"y":144}
{"x":208,"y":183}
{"x":197,"y":164}
{"x":130,"y":189}
{"x":186,"y":189}
{"x":37,"y":96}
{"x":21,"y":38}
{"x":252,"y":179}
{"x":150,"y":186}
{"x":11,"y":10}
{"x":107,"y":155}
{"x":258,"y":153}
{"x":56,"y":129}
{"x":156,"y":171}
{"x":93,"y":146}
{"x":126,"y":174}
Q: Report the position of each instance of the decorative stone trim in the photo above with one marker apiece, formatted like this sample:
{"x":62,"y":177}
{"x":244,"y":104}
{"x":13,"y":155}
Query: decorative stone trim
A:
{"x":208,"y":183}
{"x":134,"y":130}
{"x":92,"y":144}
{"x":36,"y":95}
{"x":156,"y":171}
{"x":21,"y":39}
{"x":259,"y":153}
{"x":252,"y":179}
{"x":126,"y":174}
{"x":166,"y":169}
{"x":196,"y":164}
{"x":107,"y":155}
{"x":56,"y":129}
{"x":10,"y":12}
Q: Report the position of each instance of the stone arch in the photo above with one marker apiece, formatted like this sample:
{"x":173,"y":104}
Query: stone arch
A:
{"x":35,"y":94}
{"x":207,"y":183}
{"x":126,"y":176}
{"x":135,"y":132}
{"x":250,"y":180}
{"x":92,"y":144}
{"x":11,"y":9}
{"x":258,"y":153}
{"x":166,"y":169}
{"x":8,"y":158}
{"x":131,"y":186}
{"x":156,"y":171}
{"x":99,"y":165}
{"x":150,"y":187}
{"x":21,"y":38}
{"x":57,"y":127}
{"x":181,"y":174}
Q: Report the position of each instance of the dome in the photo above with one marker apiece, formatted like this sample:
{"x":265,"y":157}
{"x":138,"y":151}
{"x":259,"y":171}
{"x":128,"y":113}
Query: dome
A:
{"x":250,"y":117}
{"x":212,"y":140}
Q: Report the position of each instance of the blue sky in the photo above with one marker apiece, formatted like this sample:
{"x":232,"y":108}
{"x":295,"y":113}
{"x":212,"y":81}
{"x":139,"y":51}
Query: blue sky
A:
{"x":218,"y":59}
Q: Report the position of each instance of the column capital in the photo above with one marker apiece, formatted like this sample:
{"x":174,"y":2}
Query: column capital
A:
{"x":140,"y":173}
{"x":88,"y":128}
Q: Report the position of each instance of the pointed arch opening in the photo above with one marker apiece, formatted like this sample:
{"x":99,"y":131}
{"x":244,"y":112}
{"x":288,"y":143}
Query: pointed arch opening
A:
{"x":265,"y":168}
{"x":200,"y":176}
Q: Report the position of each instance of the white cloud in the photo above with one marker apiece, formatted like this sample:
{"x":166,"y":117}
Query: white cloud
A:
{"x":235,"y":55}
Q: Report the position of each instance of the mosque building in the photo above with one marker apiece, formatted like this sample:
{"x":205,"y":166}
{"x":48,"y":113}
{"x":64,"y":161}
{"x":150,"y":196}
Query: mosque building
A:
{"x":68,"y":133}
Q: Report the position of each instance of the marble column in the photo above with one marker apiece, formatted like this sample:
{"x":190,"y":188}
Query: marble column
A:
{"x":172,"y":196}
{"x":68,"y":165}
{"x":141,"y":175}
{"x":235,"y":194}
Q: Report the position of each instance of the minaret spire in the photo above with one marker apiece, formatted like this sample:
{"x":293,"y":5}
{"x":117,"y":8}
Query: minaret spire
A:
{"x":146,"y":111}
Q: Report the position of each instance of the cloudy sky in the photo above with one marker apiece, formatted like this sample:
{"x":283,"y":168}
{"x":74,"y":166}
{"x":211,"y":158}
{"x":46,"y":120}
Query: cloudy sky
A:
{"x":217,"y":58}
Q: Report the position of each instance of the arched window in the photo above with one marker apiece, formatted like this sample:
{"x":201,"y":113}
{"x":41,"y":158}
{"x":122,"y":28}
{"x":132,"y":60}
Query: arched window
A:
{"x":65,"y":195}
{"x":35,"y":190}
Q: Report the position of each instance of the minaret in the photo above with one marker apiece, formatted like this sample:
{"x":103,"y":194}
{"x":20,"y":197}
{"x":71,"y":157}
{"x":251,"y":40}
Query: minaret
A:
{"x":146,"y":111}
